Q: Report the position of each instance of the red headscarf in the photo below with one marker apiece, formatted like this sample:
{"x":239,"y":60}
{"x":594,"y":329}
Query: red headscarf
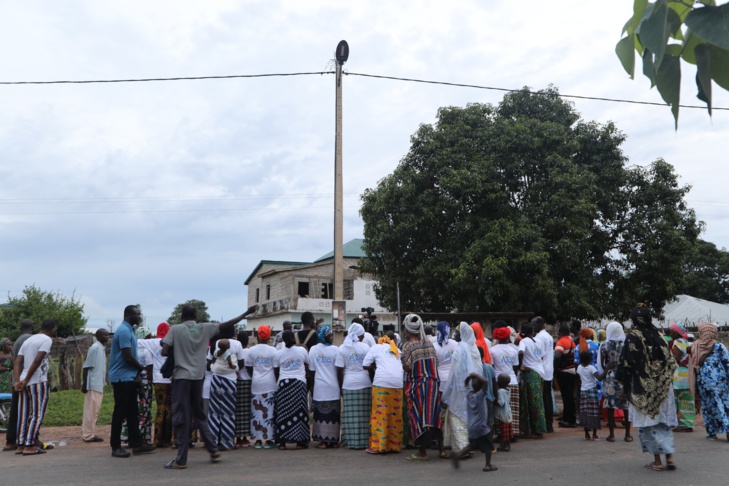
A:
{"x":502,"y":333}
{"x":162,"y":330}
{"x":585,"y":334}
{"x":481,"y":341}
{"x":264,"y":333}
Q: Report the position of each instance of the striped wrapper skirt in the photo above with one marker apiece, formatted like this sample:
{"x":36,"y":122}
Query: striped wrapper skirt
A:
{"x":356,"y":417}
{"x":292,"y":411}
{"x":242,"y":408}
{"x":423,"y":406}
{"x":327,"y":420}
{"x":221,"y":414}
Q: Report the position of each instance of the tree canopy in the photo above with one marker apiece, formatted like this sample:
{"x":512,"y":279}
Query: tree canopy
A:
{"x":525,"y":207}
{"x":706,"y":273}
{"x":202,"y":312}
{"x":663,"y":32}
{"x":39,"y":305}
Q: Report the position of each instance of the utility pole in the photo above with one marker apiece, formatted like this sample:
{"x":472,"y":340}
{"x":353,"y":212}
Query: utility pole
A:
{"x":341,"y":55}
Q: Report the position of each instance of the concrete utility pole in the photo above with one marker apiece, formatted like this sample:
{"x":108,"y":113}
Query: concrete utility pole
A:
{"x":341,"y":55}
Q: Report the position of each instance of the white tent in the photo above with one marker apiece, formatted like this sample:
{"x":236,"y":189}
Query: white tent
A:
{"x":691,"y":310}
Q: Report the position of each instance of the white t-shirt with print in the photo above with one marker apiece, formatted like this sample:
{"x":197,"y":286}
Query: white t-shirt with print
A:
{"x":505,"y":357}
{"x":37,"y":343}
{"x":532,"y":355}
{"x":389,"y":372}
{"x":587,"y":375}
{"x":260,"y":358}
{"x":291,"y":363}
{"x":322,"y":360}
{"x":445,"y":355}
{"x":350,"y":358}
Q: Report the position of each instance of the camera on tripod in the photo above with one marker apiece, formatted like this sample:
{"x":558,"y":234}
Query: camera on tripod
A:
{"x":370,"y":321}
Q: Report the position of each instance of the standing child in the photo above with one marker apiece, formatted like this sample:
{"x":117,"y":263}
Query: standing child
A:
{"x":479,"y":432}
{"x":589,"y":402}
{"x":503,"y":412}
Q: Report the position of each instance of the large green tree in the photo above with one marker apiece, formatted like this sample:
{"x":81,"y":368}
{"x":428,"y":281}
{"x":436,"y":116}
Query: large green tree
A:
{"x":706,"y":273}
{"x":200,"y":306}
{"x":39,"y":305}
{"x":525,"y":207}
{"x":663,"y":32}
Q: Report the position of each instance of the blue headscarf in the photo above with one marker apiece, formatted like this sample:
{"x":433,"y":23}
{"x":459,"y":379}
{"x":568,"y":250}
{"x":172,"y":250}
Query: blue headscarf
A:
{"x":444,"y":329}
{"x":324,"y":332}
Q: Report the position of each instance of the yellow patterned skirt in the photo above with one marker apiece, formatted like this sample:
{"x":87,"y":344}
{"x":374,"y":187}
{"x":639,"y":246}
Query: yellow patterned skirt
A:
{"x":386,"y":420}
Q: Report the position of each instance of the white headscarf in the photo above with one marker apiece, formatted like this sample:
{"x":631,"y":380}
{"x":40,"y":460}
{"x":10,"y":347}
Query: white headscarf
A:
{"x":414,"y":325}
{"x":355,"y":331}
{"x":613,"y":332}
{"x":463,"y":363}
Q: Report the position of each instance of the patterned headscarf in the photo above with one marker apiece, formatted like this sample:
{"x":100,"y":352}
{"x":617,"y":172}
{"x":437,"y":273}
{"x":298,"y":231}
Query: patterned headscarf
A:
{"x":323,"y":334}
{"x":679,"y":329}
{"x":701,"y":349}
{"x":4,"y":342}
{"x":443,"y":329}
{"x":601,"y":335}
{"x":393,"y":347}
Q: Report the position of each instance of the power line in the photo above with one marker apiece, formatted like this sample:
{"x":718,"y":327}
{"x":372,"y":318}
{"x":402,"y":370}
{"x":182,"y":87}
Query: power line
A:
{"x":509,"y":90}
{"x":215,"y":210}
{"x":100,"y":200}
{"x":181,"y":78}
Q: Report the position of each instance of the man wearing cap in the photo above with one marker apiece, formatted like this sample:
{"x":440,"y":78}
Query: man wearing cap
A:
{"x":188,"y":342}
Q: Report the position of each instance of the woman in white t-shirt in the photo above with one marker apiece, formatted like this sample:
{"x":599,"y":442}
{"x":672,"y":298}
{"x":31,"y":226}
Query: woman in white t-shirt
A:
{"x":292,"y":394}
{"x":243,"y":397}
{"x":226,"y":356}
{"x":326,"y":401}
{"x":259,"y":364}
{"x":506,"y":358}
{"x":531,"y":369}
{"x":356,"y":388}
{"x":386,"y":413}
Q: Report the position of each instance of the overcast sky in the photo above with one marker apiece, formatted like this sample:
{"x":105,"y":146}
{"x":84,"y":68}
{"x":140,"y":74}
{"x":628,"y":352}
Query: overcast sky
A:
{"x":156,"y":193}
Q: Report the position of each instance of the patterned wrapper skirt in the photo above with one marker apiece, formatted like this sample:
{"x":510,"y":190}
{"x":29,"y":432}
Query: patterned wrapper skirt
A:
{"x":514,"y":404}
{"x":455,"y":432}
{"x":423,"y":406}
{"x":356,"y":417}
{"x":685,"y":407}
{"x":326,"y":420}
{"x":590,"y":409}
{"x":386,"y":421}
{"x":657,"y":439}
{"x":532,"y":405}
{"x":221,"y":416}
{"x":144,"y":404}
{"x":292,"y":411}
{"x":242,"y":407}
{"x":262,"y":421}
{"x":163,"y":417}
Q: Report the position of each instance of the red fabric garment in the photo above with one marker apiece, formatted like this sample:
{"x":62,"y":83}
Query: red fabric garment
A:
{"x":481,"y":342}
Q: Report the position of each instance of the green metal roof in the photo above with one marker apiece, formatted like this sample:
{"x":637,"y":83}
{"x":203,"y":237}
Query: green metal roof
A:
{"x":351,"y":249}
{"x":273,"y":262}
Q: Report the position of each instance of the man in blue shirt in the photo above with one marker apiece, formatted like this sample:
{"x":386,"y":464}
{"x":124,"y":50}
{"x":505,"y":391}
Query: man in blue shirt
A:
{"x":125,"y":378}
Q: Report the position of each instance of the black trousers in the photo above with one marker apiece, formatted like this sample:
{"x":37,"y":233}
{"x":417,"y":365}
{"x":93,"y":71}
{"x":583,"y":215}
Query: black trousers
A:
{"x":187,"y":403}
{"x":567,"y":384}
{"x":125,"y":407}
{"x":548,"y":404}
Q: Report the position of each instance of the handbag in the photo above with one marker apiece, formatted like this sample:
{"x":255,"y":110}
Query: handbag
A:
{"x":169,"y":365}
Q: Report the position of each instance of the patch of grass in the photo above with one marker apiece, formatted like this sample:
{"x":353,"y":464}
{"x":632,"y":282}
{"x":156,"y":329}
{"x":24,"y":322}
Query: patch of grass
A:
{"x":66,"y":408}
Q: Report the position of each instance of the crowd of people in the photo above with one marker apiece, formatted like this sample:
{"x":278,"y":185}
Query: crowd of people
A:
{"x":448,"y":388}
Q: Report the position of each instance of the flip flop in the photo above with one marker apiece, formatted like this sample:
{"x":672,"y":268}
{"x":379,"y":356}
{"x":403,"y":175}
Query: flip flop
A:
{"x":610,"y":439}
{"x":415,"y":457}
{"x":173,"y":465}
{"x":628,"y":439}
{"x":370,"y":451}
{"x":671,"y":466}
{"x":34,"y":453}
{"x":215,"y":456}
{"x":653,"y":467}
{"x":492,"y":468}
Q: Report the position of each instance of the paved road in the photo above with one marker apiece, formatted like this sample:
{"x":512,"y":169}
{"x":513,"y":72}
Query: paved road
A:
{"x":700,"y":462}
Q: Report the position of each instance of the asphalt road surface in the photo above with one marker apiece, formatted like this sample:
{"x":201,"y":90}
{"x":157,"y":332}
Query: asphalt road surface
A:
{"x":561,"y":458}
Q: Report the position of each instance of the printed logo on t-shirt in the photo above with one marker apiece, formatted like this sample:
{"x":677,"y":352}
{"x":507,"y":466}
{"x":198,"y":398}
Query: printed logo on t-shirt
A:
{"x":292,"y":364}
{"x":355,"y":357}
{"x":324,"y":360}
{"x":262,"y":361}
{"x":507,"y":361}
{"x":448,"y":356}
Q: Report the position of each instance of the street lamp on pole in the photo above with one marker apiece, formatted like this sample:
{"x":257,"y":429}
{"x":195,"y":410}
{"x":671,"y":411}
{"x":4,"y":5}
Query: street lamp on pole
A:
{"x":342,"y":54}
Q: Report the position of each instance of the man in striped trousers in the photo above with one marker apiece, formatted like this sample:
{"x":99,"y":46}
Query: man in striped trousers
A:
{"x":30,"y":376}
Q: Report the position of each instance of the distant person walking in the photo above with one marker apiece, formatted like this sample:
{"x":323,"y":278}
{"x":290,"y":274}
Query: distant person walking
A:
{"x":93,"y":385}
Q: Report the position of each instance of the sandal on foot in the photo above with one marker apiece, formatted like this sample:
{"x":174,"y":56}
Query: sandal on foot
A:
{"x":628,"y":438}
{"x":443,"y":455}
{"x":653,"y":467}
{"x":282,"y":447}
{"x":712,"y":437}
{"x":610,"y":439}
{"x":215,"y":456}
{"x":503,"y":449}
{"x":671,"y":466}
{"x":596,"y":439}
{"x":35,"y":452}
{"x":173,"y":465}
{"x":370,"y":451}
{"x":490,"y":468}
{"x":415,"y":457}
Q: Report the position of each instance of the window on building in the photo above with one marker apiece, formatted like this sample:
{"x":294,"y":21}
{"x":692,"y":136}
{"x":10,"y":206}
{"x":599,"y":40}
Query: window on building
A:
{"x":258,"y":295}
{"x":327,"y":291}
{"x":348,"y":290}
{"x":268,"y":291}
{"x":303,"y":289}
